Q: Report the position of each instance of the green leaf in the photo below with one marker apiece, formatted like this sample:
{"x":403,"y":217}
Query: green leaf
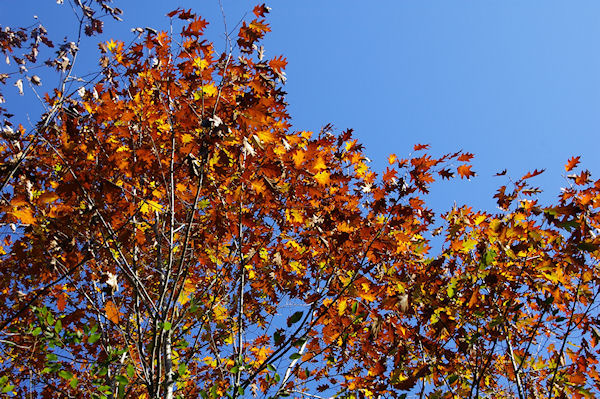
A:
{"x":270,"y":367}
{"x":58,"y":326}
{"x":489,"y":257}
{"x":587,"y":246}
{"x":93,"y":338}
{"x":354,"y":307}
{"x":299,"y":342}
{"x":295,"y":356}
{"x":182,"y":369}
{"x":451,"y":291}
{"x":7,"y":388}
{"x":294,"y":318}
{"x":65,"y":374}
{"x":167,"y":326}
{"x":73,"y":382}
{"x":37,"y":331}
{"x":122,"y":379}
{"x":203,"y":203}
{"x":104,"y":388}
{"x":130,"y":370}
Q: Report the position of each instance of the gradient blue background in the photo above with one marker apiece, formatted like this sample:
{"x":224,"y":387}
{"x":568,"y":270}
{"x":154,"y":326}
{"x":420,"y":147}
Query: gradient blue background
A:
{"x":517,"y":83}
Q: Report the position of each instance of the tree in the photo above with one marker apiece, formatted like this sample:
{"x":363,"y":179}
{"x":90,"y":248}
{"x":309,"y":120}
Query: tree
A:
{"x":172,"y":237}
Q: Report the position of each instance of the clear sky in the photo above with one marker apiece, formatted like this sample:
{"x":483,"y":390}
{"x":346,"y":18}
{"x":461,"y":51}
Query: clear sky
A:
{"x":517,"y":83}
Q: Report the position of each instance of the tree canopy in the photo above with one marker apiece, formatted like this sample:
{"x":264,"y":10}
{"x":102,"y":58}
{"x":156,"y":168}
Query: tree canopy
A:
{"x":166,"y":234}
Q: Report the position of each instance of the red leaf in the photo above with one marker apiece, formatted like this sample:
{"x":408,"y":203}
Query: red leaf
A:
{"x":501,"y":173}
{"x":446,"y":173}
{"x":529,"y":175}
{"x":389,"y":175}
{"x":465,"y":171}
{"x":261,"y":10}
{"x":195,"y":28}
{"x":572,"y":163}
{"x":419,"y":147}
{"x":466,"y":157}
{"x":173,"y":13}
{"x":581,"y":178}
{"x":61,"y":301}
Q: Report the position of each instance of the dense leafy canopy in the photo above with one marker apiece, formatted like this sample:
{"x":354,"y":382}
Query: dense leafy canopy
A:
{"x":171,"y":236}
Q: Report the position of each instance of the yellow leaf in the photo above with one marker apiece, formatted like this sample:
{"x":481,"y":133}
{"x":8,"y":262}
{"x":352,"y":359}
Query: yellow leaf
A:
{"x":220,"y":313}
{"x":150,"y":206}
{"x":261,"y":353}
{"x":342,"y":307}
{"x":294,"y":215}
{"x":188,"y":288}
{"x":186,"y":138}
{"x":479,"y":219}
{"x":210,"y":90}
{"x":200,"y":63}
{"x":111,"y":45}
{"x":322,"y":177}
{"x":112,"y":313}
{"x":251,"y":274}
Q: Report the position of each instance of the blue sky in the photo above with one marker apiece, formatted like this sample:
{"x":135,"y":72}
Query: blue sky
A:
{"x":516,"y":83}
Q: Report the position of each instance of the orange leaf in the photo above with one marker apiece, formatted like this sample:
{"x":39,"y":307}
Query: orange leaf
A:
{"x":278,"y":64}
{"x":419,"y":147}
{"x":25,"y":215}
{"x":474,"y":298}
{"x":572,"y":163}
{"x":112,"y":313}
{"x":465,"y":171}
{"x":259,"y":26}
{"x":47,"y":197}
{"x":266,"y":136}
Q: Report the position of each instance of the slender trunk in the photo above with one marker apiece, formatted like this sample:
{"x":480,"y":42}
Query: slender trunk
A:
{"x":169,"y":372}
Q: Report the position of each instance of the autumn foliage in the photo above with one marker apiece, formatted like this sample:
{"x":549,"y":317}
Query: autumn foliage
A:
{"x":173,"y":237}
